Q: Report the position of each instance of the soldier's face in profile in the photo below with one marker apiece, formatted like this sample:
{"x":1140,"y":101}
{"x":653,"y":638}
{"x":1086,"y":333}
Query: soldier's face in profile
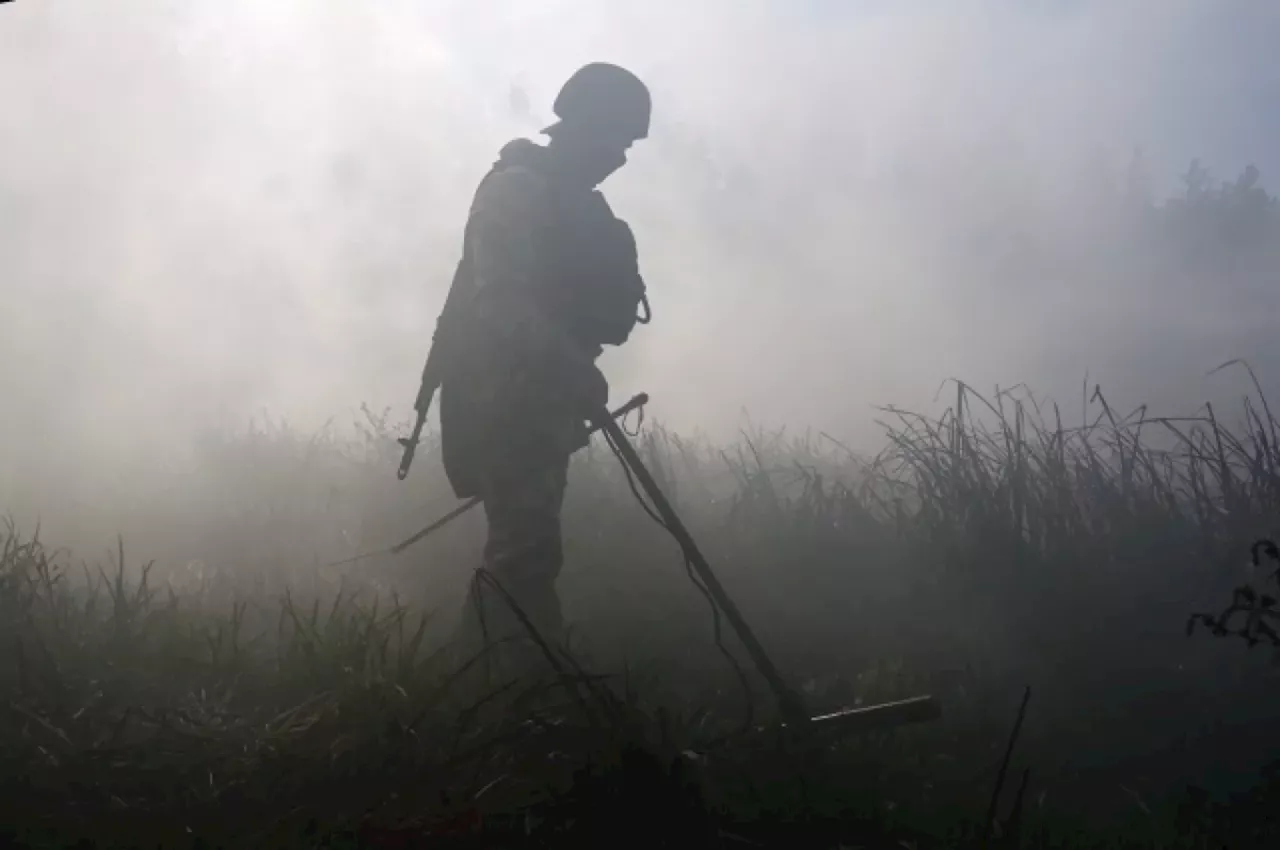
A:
{"x":607,"y":158}
{"x":596,"y":155}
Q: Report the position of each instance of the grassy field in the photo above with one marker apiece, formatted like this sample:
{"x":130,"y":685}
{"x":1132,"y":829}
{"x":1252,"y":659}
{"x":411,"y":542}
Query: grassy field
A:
{"x":228,"y":685}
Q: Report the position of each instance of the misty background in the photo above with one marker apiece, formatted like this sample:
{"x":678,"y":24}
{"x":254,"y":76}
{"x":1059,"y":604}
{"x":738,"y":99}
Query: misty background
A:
{"x":216,"y":212}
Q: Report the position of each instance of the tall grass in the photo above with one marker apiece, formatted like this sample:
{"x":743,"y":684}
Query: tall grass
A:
{"x":245,"y":690}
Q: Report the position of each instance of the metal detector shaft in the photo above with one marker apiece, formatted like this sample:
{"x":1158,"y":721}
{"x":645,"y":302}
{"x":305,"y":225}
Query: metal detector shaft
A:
{"x":789,"y":702}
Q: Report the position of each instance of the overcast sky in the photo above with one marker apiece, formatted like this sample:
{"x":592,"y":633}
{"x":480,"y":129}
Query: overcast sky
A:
{"x":213,"y":209}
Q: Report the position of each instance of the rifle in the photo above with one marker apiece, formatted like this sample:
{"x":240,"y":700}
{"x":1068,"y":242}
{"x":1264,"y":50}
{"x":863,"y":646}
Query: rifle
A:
{"x":433,"y":371}
{"x":426,"y":392}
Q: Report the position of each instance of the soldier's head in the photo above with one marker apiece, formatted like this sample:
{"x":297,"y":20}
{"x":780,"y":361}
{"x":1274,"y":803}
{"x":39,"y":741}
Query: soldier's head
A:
{"x":603,"y":110}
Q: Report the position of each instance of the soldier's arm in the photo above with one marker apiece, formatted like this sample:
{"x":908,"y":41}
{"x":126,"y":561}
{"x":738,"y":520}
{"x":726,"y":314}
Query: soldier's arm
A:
{"x":507,"y":248}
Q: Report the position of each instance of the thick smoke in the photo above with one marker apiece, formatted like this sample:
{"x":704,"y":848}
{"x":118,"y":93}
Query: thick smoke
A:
{"x":214,"y":211}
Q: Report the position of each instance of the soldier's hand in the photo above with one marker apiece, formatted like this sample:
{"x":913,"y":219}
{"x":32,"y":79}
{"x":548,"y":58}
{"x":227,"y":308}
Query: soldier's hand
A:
{"x":593,"y":391}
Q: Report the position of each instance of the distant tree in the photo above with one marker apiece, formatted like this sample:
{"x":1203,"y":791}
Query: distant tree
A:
{"x":1233,"y":224}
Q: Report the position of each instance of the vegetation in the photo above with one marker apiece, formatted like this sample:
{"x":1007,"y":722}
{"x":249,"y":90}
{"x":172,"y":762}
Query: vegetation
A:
{"x":983,"y":549}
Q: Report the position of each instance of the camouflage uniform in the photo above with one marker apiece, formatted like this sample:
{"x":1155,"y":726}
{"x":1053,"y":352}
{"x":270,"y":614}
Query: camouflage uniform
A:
{"x":508,"y":421}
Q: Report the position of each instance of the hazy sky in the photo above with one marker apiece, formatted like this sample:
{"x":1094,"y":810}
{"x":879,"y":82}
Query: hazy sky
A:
{"x":212,"y":209}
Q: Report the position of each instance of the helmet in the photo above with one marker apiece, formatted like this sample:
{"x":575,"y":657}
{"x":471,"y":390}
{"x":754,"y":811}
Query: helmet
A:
{"x":604,"y":96}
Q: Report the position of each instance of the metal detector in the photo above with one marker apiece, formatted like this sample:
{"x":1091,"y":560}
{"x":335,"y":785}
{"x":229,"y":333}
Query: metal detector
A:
{"x":790,"y":704}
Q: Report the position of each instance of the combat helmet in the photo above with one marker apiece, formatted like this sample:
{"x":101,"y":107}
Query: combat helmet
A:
{"x":604,"y":97}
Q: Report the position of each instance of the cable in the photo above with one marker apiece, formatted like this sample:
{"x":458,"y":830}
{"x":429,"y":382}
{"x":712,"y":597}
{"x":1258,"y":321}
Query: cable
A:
{"x":716,"y":629}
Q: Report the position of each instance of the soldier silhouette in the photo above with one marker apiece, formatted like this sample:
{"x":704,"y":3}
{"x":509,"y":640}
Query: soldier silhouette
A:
{"x":548,"y":276}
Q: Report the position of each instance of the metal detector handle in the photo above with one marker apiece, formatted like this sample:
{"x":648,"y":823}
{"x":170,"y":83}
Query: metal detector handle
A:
{"x":636,"y":402}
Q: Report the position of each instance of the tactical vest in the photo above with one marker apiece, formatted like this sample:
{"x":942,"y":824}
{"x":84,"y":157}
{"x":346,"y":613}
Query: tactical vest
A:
{"x":589,"y":281}
{"x":595,"y":283}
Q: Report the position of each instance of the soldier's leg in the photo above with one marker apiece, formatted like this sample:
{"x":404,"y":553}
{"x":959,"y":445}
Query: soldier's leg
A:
{"x":522,"y":553}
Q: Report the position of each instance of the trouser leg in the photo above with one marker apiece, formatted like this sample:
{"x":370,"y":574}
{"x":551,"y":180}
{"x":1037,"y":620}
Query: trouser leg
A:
{"x":522,"y":554}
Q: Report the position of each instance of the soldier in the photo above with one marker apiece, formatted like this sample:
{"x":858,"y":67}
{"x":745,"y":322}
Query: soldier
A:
{"x":548,"y":276}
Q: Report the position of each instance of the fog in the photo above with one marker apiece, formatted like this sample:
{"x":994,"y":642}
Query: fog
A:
{"x":211,"y":212}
